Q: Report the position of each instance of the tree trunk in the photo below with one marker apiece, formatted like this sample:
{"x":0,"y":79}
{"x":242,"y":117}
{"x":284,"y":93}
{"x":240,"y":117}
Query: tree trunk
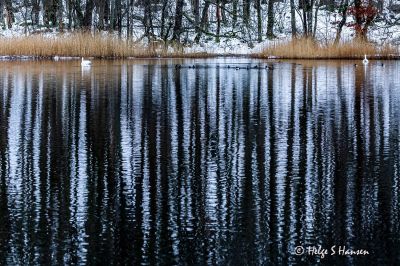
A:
{"x":223,"y":11}
{"x":293,"y":19}
{"x":148,"y":19}
{"x":100,"y":6}
{"x":60,"y":12}
{"x":271,"y":20}
{"x":259,"y":20}
{"x":70,"y":8}
{"x":307,"y":12}
{"x":310,"y":5}
{"x":196,"y":11}
{"x":358,"y":19}
{"x":234,"y":12}
{"x":1,"y":14}
{"x":9,"y":13}
{"x":50,"y":8}
{"x":368,"y":20}
{"x":304,"y":15}
{"x":35,"y":12}
{"x":87,"y":18}
{"x":128,"y":19}
{"x":178,"y":20}
{"x":118,"y":17}
{"x":106,"y":16}
{"x":204,"y":18}
{"x":344,"y":5}
{"x":218,"y":15}
{"x":316,"y":19}
{"x":246,"y":12}
{"x":163,"y":19}
{"x":379,"y":5}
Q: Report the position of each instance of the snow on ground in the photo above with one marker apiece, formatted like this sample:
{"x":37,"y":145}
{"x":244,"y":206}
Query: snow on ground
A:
{"x":386,"y":30}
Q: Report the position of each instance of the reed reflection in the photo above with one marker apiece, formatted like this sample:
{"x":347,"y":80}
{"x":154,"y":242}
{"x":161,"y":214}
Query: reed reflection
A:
{"x":144,"y":163}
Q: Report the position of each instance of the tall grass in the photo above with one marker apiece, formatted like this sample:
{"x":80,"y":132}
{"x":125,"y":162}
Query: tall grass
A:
{"x":109,"y":46}
{"x":310,"y":49}
{"x":83,"y":44}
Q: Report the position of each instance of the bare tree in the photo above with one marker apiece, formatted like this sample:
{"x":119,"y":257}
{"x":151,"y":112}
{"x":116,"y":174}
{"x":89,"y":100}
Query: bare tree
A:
{"x":196,"y":11}
{"x":219,"y":17}
{"x":148,"y":19}
{"x":204,"y":18}
{"x":178,"y":20}
{"x":9,"y":12}
{"x":343,"y":7}
{"x":270,"y":25}
{"x":293,"y":18}
{"x":246,"y":12}
{"x":259,"y":20}
{"x":364,"y":14}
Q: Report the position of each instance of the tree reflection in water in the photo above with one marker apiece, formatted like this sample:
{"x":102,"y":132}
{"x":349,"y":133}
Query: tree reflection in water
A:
{"x":142,"y":163}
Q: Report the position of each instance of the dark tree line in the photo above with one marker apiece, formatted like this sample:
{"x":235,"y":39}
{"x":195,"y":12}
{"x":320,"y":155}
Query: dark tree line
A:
{"x":185,"y":20}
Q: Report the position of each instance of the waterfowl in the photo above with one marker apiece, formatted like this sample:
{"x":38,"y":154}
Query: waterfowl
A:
{"x":86,"y":63}
{"x":237,"y":68}
{"x":355,"y":65}
{"x":365,"y":61}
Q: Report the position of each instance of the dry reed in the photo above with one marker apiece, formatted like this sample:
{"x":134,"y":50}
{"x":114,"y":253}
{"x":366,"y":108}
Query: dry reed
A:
{"x":310,"y":49}
{"x":108,"y":46}
{"x":87,"y":45}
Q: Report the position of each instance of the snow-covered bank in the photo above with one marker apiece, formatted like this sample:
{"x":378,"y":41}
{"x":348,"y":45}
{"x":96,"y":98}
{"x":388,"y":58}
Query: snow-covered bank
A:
{"x":66,"y":46}
{"x":232,"y":36}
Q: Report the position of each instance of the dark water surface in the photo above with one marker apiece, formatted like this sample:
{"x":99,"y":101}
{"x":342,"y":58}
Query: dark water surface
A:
{"x":137,"y":162}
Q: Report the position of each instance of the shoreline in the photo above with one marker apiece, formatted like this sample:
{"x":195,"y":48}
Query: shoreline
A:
{"x":75,"y":46}
{"x":6,"y":58}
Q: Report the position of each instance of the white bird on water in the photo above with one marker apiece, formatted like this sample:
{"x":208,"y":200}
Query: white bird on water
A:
{"x":86,"y":63}
{"x":365,"y":61}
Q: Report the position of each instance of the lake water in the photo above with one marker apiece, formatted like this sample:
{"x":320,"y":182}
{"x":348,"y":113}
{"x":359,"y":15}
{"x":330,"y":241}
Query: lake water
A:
{"x":139,"y":162}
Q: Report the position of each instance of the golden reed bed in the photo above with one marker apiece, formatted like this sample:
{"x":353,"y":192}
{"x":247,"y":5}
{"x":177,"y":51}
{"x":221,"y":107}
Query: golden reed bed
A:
{"x":310,"y":49}
{"x":87,"y":45}
{"x":108,"y":46}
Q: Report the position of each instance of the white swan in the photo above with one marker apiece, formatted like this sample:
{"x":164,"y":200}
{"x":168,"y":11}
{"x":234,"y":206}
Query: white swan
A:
{"x":365,"y":61}
{"x":86,"y":63}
